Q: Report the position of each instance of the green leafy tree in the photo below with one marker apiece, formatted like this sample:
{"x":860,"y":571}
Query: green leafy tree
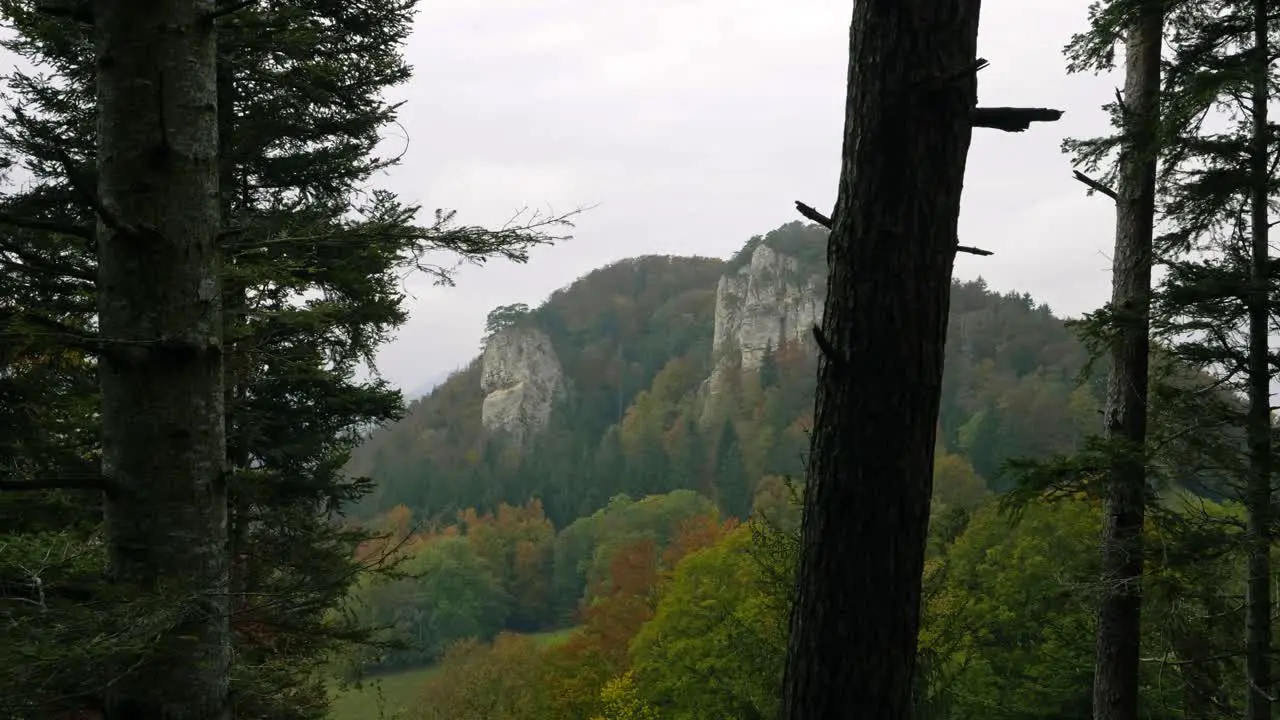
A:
{"x":956,"y":485}
{"x":1011,"y":621}
{"x":584,"y":550}
{"x":716,"y":644}
{"x":504,"y":317}
{"x":449,"y":594}
{"x":517,"y":543}
{"x":1009,"y":618}
{"x":621,"y":701}
{"x":476,"y":681}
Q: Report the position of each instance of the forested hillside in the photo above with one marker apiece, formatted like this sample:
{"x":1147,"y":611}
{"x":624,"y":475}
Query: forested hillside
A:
{"x":650,"y":406}
{"x":640,"y":510}
{"x":646,"y":498}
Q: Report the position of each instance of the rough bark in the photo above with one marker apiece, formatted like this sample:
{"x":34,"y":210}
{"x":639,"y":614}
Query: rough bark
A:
{"x":159,"y":307}
{"x":1115,"y":681}
{"x":912,"y":87}
{"x":235,"y":363}
{"x":1258,"y":422}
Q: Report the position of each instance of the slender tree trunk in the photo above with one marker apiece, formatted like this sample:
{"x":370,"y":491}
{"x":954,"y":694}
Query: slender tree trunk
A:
{"x":235,"y":362}
{"x":1119,"y":631}
{"x":161,"y":372}
{"x":912,"y":87}
{"x":1258,"y":494}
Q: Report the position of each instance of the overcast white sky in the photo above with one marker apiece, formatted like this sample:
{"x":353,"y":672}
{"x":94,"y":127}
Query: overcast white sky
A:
{"x":694,"y":124}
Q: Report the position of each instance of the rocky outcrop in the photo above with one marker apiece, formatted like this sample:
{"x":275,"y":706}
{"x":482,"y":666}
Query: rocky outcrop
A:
{"x":522,"y":380}
{"x":765,"y":303}
{"x":768,"y":302}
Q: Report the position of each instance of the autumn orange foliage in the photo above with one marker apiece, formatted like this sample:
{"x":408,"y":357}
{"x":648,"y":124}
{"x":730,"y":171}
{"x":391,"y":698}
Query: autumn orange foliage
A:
{"x":693,"y":535}
{"x":598,"y":651}
{"x":518,"y":544}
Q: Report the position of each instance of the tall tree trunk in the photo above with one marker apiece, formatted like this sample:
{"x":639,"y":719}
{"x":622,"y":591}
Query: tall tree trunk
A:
{"x":1258,"y":431}
{"x":1119,"y":631}
{"x":912,"y":88}
{"x":235,"y":360}
{"x":161,"y":373}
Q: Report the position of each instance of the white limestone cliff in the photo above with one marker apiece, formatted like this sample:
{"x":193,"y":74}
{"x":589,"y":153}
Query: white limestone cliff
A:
{"x":766,"y":303}
{"x":522,"y":380}
{"x":769,"y":302}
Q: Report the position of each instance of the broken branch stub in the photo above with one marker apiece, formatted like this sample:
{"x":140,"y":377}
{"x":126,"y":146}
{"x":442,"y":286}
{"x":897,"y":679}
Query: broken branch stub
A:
{"x":1011,"y":119}
{"x":811,"y":213}
{"x":1094,"y":185}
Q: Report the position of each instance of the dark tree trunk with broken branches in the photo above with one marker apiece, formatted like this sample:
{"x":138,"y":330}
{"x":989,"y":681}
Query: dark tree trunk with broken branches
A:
{"x":1115,"y":681}
{"x":161,"y":368}
{"x":909,"y":116}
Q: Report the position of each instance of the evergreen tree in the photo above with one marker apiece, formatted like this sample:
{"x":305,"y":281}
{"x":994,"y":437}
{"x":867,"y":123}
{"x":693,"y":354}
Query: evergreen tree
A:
{"x":1215,"y":303}
{"x":304,"y":83}
{"x":768,"y":371}
{"x":732,"y":484}
{"x":1210,"y":397}
{"x":1119,"y":630}
{"x":687,"y":454}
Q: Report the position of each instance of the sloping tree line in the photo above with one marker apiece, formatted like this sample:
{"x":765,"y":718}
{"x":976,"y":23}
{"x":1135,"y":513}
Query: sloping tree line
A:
{"x":194,"y":272}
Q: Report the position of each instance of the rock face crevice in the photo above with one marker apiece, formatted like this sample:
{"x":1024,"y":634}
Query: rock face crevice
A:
{"x":523,"y":381}
{"x":771,"y":301}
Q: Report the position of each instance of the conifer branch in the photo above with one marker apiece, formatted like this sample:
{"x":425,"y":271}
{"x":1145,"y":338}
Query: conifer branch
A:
{"x":56,"y":228}
{"x":87,"y":194}
{"x":39,"y":269}
{"x":19,"y":326}
{"x":55,"y":482}
{"x":228,"y":9}
{"x":76,"y":10}
{"x":75,"y":476}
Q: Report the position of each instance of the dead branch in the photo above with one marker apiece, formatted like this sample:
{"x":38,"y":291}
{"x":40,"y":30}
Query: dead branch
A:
{"x":828,"y":350}
{"x":826,"y":222}
{"x":1011,"y":119}
{"x":228,"y":9}
{"x":1095,"y":185}
{"x":1120,"y":103}
{"x":970,"y":69}
{"x":56,"y":482}
{"x":814,"y":215}
{"x":77,"y":11}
